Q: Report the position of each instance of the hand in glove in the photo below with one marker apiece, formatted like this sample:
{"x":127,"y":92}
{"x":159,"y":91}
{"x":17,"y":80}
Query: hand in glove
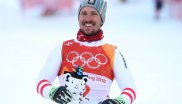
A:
{"x":60,"y":95}
{"x":118,"y":100}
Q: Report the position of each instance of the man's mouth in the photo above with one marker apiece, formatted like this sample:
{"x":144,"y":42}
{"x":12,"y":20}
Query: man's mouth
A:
{"x":88,"y":24}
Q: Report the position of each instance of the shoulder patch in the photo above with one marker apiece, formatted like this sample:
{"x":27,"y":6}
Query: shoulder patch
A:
{"x":68,"y":42}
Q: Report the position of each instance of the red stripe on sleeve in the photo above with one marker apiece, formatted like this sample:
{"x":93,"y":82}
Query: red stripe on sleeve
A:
{"x":41,"y":90}
{"x":128,"y":94}
{"x":41,"y":83}
{"x":130,"y":89}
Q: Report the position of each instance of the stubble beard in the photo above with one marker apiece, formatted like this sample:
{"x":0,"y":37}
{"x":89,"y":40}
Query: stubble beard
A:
{"x":91,"y":33}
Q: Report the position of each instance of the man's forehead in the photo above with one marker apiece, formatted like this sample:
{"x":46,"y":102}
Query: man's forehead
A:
{"x":88,"y":8}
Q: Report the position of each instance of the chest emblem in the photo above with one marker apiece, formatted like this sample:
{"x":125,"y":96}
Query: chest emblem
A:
{"x":86,"y":59}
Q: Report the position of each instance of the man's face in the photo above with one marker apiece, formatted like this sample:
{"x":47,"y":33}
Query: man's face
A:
{"x":89,"y":21}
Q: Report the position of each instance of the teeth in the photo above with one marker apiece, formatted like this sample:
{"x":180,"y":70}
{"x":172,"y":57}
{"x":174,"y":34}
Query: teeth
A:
{"x":88,"y":24}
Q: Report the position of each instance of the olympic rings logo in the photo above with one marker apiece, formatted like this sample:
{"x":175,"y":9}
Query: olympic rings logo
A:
{"x":87,"y":59}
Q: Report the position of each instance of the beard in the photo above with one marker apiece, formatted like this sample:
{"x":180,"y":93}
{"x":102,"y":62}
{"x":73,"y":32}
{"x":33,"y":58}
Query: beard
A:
{"x":92,"y":33}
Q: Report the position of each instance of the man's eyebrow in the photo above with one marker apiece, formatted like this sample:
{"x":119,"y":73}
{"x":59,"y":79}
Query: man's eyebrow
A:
{"x":83,"y":11}
{"x":94,"y":11}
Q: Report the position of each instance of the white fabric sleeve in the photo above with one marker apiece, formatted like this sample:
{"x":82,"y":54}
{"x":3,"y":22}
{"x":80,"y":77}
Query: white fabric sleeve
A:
{"x":49,"y":71}
{"x":124,"y":78}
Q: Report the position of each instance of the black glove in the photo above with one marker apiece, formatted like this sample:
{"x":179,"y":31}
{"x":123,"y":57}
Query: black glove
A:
{"x":112,"y":101}
{"x":60,"y":95}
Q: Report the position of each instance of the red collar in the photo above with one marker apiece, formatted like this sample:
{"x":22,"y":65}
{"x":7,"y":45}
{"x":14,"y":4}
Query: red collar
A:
{"x":84,"y":38}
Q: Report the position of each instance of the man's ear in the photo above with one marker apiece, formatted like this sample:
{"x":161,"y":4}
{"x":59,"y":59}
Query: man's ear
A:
{"x":101,"y":24}
{"x":67,"y":76}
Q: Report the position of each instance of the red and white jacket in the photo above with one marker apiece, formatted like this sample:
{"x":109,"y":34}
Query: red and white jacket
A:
{"x":102,"y":63}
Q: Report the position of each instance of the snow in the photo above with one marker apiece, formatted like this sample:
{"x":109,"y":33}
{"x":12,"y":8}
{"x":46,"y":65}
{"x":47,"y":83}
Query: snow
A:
{"x":151,"y":48}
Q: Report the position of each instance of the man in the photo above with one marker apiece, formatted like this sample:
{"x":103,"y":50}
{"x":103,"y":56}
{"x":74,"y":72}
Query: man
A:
{"x":101,"y":62}
{"x":158,"y":8}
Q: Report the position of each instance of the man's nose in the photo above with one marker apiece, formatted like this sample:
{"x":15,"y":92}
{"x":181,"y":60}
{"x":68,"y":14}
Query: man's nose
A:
{"x":88,"y":18}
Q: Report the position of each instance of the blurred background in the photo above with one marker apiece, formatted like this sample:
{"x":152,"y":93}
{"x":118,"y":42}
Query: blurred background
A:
{"x":148,"y":32}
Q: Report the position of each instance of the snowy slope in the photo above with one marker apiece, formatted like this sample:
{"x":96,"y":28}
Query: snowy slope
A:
{"x":152,"y":49}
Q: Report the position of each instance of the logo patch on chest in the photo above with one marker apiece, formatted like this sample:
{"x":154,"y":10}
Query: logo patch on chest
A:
{"x":86,"y":59}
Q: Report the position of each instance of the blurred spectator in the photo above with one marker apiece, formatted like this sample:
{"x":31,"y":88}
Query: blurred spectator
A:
{"x":175,"y":8}
{"x":158,"y":7}
{"x":123,"y":0}
{"x":180,"y":10}
{"x":29,"y":4}
{"x":50,"y":7}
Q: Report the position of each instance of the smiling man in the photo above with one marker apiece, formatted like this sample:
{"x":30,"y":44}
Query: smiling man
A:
{"x":101,"y":62}
{"x":90,"y":21}
{"x":91,"y":17}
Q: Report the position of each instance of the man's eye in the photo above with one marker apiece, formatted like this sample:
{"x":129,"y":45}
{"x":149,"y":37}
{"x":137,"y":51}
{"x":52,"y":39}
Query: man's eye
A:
{"x":94,"y":14}
{"x":83,"y":13}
